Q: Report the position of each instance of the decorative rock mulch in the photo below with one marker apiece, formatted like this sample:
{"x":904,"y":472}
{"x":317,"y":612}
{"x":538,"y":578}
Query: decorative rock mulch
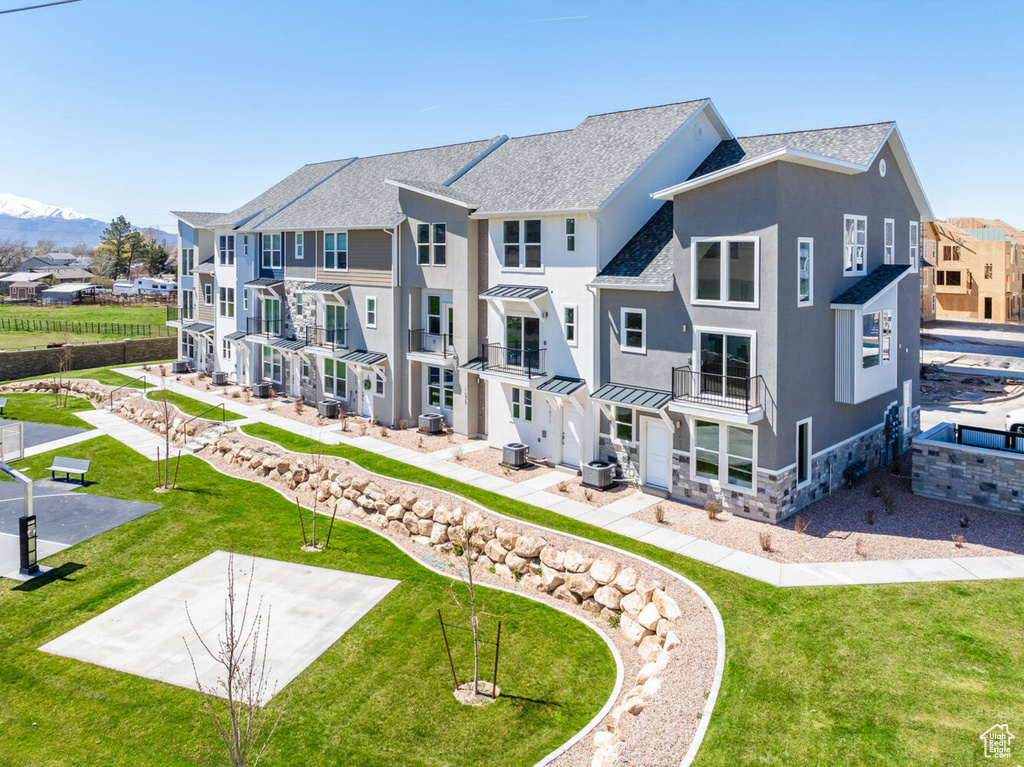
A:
{"x":663,"y":630}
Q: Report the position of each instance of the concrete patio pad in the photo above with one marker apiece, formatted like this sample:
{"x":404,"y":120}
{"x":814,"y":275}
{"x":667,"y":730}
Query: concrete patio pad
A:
{"x":310,"y":608}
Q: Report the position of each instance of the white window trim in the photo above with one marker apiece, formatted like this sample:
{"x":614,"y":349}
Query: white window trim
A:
{"x":245,"y":299}
{"x":208,"y":294}
{"x":336,"y":268}
{"x":614,"y":422}
{"x":300,"y":246}
{"x":225,"y":348}
{"x":889,"y":246}
{"x":522,"y":246}
{"x":372,"y":324}
{"x":223,"y":303}
{"x":431,"y":244}
{"x":522,"y":404}
{"x":335,"y":377}
{"x":698,"y":329}
{"x":847,"y":217}
{"x":622,"y":330}
{"x":379,"y":377}
{"x":914,"y":233}
{"x":570,"y":237}
{"x":265,"y":252}
{"x":442,"y":387}
{"x":810,"y":272}
{"x":724,"y":272}
{"x":575,"y":324}
{"x":722,"y":454}
{"x":810,"y":452}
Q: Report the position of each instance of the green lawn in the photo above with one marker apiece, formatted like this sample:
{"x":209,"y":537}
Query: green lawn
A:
{"x":379,"y":696}
{"x":190,"y":406}
{"x":865,"y":675}
{"x":39,"y":408}
{"x":104,"y":375}
{"x":154,"y":316}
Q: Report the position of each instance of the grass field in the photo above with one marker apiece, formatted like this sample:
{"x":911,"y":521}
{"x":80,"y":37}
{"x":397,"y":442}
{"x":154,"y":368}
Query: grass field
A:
{"x":154,"y":316}
{"x":381,"y":695}
{"x":865,"y":675}
{"x":190,"y":406}
{"x":39,"y":408}
{"x":104,"y":375}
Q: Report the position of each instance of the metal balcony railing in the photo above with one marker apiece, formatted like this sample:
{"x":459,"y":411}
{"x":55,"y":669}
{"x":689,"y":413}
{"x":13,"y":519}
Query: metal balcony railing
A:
{"x":719,"y":390}
{"x":173,"y":313}
{"x":518,"y":362}
{"x":431,"y":343}
{"x":262,"y":326}
{"x":328,"y":338}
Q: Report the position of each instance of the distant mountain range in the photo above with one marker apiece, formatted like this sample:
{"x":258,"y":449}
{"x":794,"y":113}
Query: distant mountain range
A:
{"x":28,"y":220}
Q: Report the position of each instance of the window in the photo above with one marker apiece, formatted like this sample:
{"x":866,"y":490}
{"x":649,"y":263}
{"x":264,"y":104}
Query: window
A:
{"x":245,"y":245}
{"x":871,"y":344}
{"x":569,"y":323}
{"x":889,"y":251}
{"x":948,"y":278}
{"x":300,"y":246}
{"x":298,"y":304}
{"x":522,"y":244}
{"x":227,"y":302}
{"x":570,"y":235}
{"x":378,"y":388}
{"x":334,"y":324}
{"x":726,"y":270}
{"x":720,"y":445}
{"x":522,"y":404}
{"x":434,"y":315}
{"x":634,"y":331}
{"x":950,"y":252}
{"x":188,"y":261}
{"x":245,"y":299}
{"x":225,"y":349}
{"x":336,"y":251}
{"x":805,"y":271}
{"x":988,"y":271}
{"x":188,"y":306}
{"x":440,"y":387}
{"x":855,"y":245}
{"x":334,"y":378}
{"x":272,"y":251}
{"x":271,"y":364}
{"x":371,"y":311}
{"x":188,"y":346}
{"x":803,"y":452}
{"x":226,"y":249}
{"x":432,"y":244}
{"x":208,"y":293}
{"x":915,"y":245}
{"x":624,"y":424}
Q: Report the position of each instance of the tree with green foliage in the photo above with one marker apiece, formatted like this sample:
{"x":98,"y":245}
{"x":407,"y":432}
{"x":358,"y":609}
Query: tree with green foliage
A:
{"x":154,"y":257}
{"x":118,"y":242}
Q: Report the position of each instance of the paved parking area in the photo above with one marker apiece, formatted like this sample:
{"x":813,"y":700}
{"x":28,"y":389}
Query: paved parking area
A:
{"x":310,"y":608}
{"x":41,"y":433}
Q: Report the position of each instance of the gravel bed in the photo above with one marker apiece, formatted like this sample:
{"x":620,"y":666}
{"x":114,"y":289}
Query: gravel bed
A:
{"x":662,"y":733}
{"x":838,"y":531}
{"x":488,"y":460}
{"x":413,"y":439}
{"x":574,"y":491}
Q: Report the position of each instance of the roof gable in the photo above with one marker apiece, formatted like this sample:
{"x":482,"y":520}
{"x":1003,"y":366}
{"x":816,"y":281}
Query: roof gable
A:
{"x":646,"y":260}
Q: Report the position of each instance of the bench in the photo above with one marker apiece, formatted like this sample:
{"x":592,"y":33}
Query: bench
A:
{"x":3,"y":404}
{"x":69,"y":466}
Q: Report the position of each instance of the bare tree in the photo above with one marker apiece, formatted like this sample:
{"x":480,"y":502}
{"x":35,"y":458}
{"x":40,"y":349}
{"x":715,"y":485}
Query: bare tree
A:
{"x":235,"y":702}
{"x":43,"y":247}
{"x":12,"y":253}
{"x":167,"y":431}
{"x":470,"y":609}
{"x":61,"y":386}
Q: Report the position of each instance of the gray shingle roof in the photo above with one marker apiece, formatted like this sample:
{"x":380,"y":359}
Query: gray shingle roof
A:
{"x":646,"y":260}
{"x":855,"y":143}
{"x":363,"y":357}
{"x":574,"y":169}
{"x":524,"y":292}
{"x":868,"y":287}
{"x":635,"y":396}
{"x":204,"y":268}
{"x":357,"y":196}
{"x":562,"y":385}
{"x":196,"y":218}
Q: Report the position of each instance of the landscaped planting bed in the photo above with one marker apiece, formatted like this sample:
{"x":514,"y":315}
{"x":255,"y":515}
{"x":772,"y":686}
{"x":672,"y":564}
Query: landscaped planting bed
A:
{"x":489,"y":460}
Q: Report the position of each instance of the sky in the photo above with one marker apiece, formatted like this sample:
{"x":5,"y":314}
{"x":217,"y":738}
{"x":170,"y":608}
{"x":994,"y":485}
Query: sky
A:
{"x":140,"y":107}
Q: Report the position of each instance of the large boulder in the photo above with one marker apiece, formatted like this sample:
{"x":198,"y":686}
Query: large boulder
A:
{"x":408,"y":499}
{"x":666,"y":605}
{"x":651,"y":688}
{"x":604,"y":571}
{"x":529,"y":545}
{"x":423,"y":509}
{"x":495,"y":550}
{"x":473,"y":521}
{"x":672,"y":641}
{"x":631,"y":629}
{"x":632,"y":603}
{"x":649,"y":648}
{"x":506,"y":538}
{"x":563,"y":593}
{"x":552,"y":557}
{"x":550,"y":579}
{"x":575,"y":562}
{"x":648,"y":671}
{"x":442,"y":515}
{"x":394,"y":512}
{"x":283,"y":466}
{"x":398,"y":530}
{"x":516,"y":562}
{"x":649,"y":616}
{"x":608,"y":596}
{"x":438,"y":533}
{"x":626,"y":580}
{"x":646,"y":588}
{"x":581,"y":584}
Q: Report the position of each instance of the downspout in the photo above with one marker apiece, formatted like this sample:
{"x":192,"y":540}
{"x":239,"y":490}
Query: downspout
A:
{"x":396,"y":318}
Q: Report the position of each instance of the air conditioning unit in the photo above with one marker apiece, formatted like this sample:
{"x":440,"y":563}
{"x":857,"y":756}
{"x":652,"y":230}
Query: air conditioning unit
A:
{"x":220,"y":378}
{"x":262,"y":389}
{"x":180,"y":366}
{"x":515,"y":454}
{"x":328,"y":408}
{"x":599,"y":475}
{"x":431,"y":423}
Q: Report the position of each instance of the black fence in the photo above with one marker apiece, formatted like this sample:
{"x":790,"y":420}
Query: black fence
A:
{"x":261,"y":326}
{"x":511,"y":361}
{"x":430,"y":343}
{"x":82,"y":327}
{"x":328,"y":338}
{"x":99,"y":299}
{"x":730,"y":392}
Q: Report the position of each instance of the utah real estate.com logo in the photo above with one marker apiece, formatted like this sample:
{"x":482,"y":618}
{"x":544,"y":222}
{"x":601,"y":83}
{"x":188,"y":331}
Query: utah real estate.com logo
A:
{"x":997,"y":740}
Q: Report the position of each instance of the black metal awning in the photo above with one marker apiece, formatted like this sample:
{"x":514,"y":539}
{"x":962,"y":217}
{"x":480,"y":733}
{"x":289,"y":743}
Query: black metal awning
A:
{"x":632,"y":396}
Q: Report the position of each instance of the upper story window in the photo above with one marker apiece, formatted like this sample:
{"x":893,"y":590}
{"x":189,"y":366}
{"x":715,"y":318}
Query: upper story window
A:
{"x":336,"y":251}
{"x":432,"y":244}
{"x":569,"y":323}
{"x":208,"y":293}
{"x":988,"y":271}
{"x":522,"y":404}
{"x":245,"y":299}
{"x":245,"y":245}
{"x":371,"y":311}
{"x":300,"y":246}
{"x":634,"y":330}
{"x":726,"y":270}
{"x":434,"y":315}
{"x":950,"y":252}
{"x":226,"y":249}
{"x":855,"y":244}
{"x":227,"y":302}
{"x":522,"y":244}
{"x":805,"y":271}
{"x":915,"y":245}
{"x":188,"y":261}
{"x":298,"y":304}
{"x":949,"y":278}
{"x":570,"y":235}
{"x":272,"y":251}
{"x":889,"y":252}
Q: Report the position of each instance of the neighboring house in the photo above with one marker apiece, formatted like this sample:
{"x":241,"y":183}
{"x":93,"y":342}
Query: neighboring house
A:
{"x":539,"y":290}
{"x":18,"y":278}
{"x":56,"y":260}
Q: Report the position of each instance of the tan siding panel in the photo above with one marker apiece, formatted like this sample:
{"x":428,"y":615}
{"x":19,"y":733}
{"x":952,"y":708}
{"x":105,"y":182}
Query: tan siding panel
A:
{"x":369,"y":260}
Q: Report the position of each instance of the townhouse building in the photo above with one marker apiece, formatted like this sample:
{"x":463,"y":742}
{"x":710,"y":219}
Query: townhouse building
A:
{"x":727,"y":318}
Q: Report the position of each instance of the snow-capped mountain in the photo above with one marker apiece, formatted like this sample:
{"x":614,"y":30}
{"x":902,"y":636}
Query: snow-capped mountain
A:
{"x":25,"y":220}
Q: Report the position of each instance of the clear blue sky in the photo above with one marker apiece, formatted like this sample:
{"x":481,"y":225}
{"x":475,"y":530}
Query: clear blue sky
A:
{"x":143,"y":106}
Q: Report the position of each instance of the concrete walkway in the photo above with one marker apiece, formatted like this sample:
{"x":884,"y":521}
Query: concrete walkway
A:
{"x":137,"y":438}
{"x":616,"y":516}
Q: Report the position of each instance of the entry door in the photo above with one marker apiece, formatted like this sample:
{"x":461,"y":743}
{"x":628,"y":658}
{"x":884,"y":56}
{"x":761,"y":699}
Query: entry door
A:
{"x":988,"y":308}
{"x":571,"y":433}
{"x":366,"y":393}
{"x":658,"y":454}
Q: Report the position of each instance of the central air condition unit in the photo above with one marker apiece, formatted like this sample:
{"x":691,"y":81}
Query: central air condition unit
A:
{"x":328,"y":408}
{"x":220,"y":378}
{"x":515,"y":454}
{"x":431,"y":423}
{"x":180,"y":366}
{"x":599,"y":475}
{"x":262,"y":389}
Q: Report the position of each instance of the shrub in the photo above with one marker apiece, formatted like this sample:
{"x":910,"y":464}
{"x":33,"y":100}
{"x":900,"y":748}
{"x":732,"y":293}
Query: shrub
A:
{"x":517,"y":575}
{"x":858,"y":547}
{"x":384,"y":432}
{"x":659,"y":514}
{"x":563,"y":486}
{"x":344,"y":424}
{"x":889,"y":503}
{"x":362,"y":430}
{"x":801,"y":523}
{"x":201,"y":375}
{"x":234,"y":395}
{"x":765,"y":539}
{"x":870,"y":516}
{"x":588,"y":493}
{"x":419,"y":443}
{"x":449,"y":434}
{"x":713,"y":509}
{"x":459,"y":551}
{"x":299,"y":405}
{"x":458,"y":453}
{"x":614,"y":620}
{"x":958,"y":540}
{"x":403,"y":424}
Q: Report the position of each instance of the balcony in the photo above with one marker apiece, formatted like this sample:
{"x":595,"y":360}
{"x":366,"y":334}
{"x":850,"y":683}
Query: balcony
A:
{"x":518,"y":363}
{"x":327,"y":338}
{"x":432,"y":344}
{"x":262,"y":326}
{"x":173,"y":313}
{"x":738,"y":398}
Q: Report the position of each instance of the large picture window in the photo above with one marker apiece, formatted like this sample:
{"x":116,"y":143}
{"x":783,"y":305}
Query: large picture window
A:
{"x":336,"y":251}
{"x":724,"y":453}
{"x":432,"y":244}
{"x":272,"y":251}
{"x":334,"y":378}
{"x":440,"y":387}
{"x":272,"y":364}
{"x":855,"y":244}
{"x":522,"y":244}
{"x":726,"y":270}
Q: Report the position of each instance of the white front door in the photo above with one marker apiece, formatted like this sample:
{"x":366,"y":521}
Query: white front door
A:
{"x":572,"y":433}
{"x":657,"y":454}
{"x":366,"y":394}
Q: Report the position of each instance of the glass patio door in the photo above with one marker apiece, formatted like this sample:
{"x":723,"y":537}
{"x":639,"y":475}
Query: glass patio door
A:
{"x":334,"y":324}
{"x":522,"y":341}
{"x":725,"y":364}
